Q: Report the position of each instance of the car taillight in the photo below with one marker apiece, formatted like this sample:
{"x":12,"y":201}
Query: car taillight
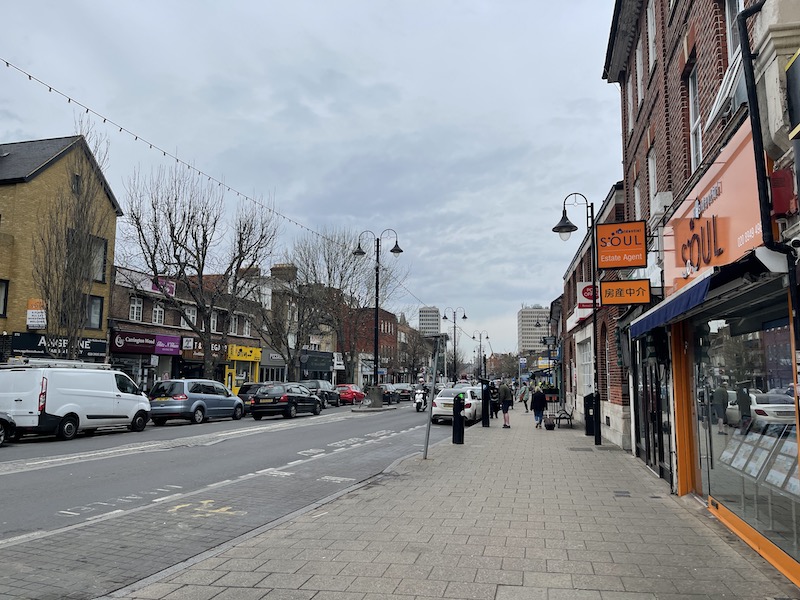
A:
{"x":468,"y":405}
{"x":180,"y":397}
{"x":43,"y":395}
{"x":434,"y":403}
{"x":284,"y":398}
{"x":761,"y":412}
{"x":252,"y":401}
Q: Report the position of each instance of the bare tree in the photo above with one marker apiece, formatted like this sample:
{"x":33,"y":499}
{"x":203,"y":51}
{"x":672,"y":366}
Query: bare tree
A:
{"x":70,"y":243}
{"x":184,"y":235}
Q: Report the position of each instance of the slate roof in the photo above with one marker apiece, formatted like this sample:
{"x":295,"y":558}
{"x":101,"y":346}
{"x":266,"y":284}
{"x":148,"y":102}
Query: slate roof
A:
{"x":20,"y":162}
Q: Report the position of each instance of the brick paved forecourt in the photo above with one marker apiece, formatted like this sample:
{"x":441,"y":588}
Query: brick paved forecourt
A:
{"x":513,"y":514}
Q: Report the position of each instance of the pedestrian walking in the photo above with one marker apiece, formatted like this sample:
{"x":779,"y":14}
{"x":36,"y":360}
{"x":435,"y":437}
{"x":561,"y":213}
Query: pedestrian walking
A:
{"x":506,"y":398}
{"x":538,"y":404}
{"x":718,"y":403}
{"x":494,"y":402}
{"x":524,"y":392}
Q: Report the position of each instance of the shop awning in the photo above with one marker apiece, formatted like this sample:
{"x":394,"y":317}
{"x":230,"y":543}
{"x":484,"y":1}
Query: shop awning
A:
{"x":680,"y":302}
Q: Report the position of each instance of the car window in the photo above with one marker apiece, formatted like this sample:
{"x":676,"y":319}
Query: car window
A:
{"x":125,"y":385}
{"x":220,"y":390}
{"x":248,"y":388}
{"x":303,"y":390}
{"x":167,"y":388}
{"x":774,"y":399}
{"x":197,"y":388}
{"x":271,"y":390}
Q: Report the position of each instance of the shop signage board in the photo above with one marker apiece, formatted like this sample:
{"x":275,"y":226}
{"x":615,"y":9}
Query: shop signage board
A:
{"x":34,"y":344}
{"x":719,"y":221}
{"x":630,"y":291}
{"x":246,"y":353}
{"x":585,"y":295}
{"x":36,"y":314}
{"x":168,"y":344}
{"x":621,"y":245}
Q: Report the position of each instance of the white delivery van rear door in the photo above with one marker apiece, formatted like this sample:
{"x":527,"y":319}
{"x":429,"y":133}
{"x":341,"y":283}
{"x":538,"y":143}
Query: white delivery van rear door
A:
{"x":19,"y":395}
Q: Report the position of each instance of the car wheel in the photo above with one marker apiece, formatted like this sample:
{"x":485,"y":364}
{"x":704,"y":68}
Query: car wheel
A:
{"x":198,"y":416}
{"x":67,"y":429}
{"x":238,"y":412}
{"x":317,"y":408}
{"x":139,"y":421}
{"x":291,"y":412}
{"x":324,"y":403}
{"x":2,"y":433}
{"x":159,"y":421}
{"x":257,"y":417}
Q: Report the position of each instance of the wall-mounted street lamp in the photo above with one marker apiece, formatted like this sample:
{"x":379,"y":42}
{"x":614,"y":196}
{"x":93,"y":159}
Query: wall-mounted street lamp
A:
{"x":454,"y":312}
{"x":564,"y":229}
{"x":396,"y":250}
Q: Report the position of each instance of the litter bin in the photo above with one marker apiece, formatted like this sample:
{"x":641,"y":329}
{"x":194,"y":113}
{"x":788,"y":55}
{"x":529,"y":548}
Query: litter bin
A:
{"x":458,"y":419}
{"x":588,"y":413}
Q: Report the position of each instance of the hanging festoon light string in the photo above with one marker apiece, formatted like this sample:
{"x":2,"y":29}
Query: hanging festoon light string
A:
{"x":178,"y":160}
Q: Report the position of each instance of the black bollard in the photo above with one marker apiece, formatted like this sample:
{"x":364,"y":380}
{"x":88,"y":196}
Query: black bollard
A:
{"x":458,"y":419}
{"x":486,"y":397}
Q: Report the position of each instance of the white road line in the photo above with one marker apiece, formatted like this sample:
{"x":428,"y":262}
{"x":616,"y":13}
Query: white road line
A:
{"x":104,"y":515}
{"x":165,"y":498}
{"x":68,"y":513}
{"x":218,"y":483}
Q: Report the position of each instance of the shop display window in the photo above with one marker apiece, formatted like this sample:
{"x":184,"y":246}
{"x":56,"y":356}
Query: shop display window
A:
{"x":746,"y":415}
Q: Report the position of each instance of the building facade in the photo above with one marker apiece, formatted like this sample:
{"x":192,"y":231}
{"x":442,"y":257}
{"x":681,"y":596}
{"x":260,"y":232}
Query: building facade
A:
{"x":430,"y":320}
{"x":532,"y":327}
{"x":709,"y":164}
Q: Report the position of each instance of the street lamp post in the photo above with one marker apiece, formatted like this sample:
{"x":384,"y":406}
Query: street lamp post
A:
{"x":564,"y":228}
{"x":454,"y":312}
{"x":481,"y":335}
{"x":396,"y":250}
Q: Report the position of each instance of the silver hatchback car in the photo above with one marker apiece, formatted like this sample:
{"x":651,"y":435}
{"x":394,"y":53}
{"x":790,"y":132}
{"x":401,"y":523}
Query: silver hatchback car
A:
{"x":195,"y":400}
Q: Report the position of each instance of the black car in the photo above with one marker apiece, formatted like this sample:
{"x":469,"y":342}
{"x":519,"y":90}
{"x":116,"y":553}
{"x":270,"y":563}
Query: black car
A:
{"x":247,"y":389}
{"x":404,"y":391}
{"x":388,"y":393}
{"x":324,"y":390}
{"x":285,"y":399}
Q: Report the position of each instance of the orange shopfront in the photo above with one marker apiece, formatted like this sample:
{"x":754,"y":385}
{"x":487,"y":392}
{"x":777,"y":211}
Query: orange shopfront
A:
{"x":713,"y":366}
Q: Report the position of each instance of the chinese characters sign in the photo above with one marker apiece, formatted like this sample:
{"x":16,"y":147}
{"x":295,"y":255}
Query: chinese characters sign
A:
{"x":632,"y":291}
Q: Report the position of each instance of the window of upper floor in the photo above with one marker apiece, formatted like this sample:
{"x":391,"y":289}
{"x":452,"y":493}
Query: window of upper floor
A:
{"x":94,"y":312}
{"x":652,"y":178}
{"x":191,"y":315}
{"x":158,"y":314}
{"x":637,"y":201}
{"x":695,"y":128}
{"x":651,"y":35}
{"x":3,"y":297}
{"x":247,"y":328}
{"x":629,"y":101}
{"x":99,"y":258}
{"x":214,"y":321}
{"x":639,"y":73}
{"x":77,"y":184}
{"x":233,"y":325}
{"x":732,"y":8}
{"x":135,"y":310}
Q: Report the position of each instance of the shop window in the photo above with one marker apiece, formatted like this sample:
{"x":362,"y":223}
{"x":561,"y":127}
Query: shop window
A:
{"x":135,"y":310}
{"x":94,"y":312}
{"x":3,"y":297}
{"x":158,"y":314}
{"x":746,"y":420}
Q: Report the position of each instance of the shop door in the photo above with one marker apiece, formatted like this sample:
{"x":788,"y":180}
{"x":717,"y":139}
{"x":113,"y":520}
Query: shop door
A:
{"x":656,"y":423}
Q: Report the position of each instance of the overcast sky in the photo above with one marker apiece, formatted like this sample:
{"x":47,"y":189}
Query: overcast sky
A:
{"x":461,"y":124}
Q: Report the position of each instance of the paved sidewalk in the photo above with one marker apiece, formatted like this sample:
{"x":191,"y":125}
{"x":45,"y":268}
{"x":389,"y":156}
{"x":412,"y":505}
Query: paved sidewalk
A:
{"x":514,"y":514}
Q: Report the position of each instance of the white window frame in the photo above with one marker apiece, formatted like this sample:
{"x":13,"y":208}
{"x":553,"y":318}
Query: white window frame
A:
{"x":233,"y":325}
{"x":637,"y":200}
{"x":136,"y":308}
{"x":247,"y":328}
{"x":191,"y":312}
{"x":158,"y":314}
{"x":214,"y":321}
{"x":652,"y":177}
{"x":732,"y":8}
{"x":586,"y":367}
{"x":639,"y":73}
{"x":651,"y":35}
{"x":629,"y":93}
{"x":695,"y":127}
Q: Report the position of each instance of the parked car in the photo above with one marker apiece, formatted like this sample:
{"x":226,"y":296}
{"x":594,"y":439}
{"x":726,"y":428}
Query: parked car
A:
{"x":7,"y":427}
{"x":405,"y":391}
{"x":442,"y":409}
{"x":324,"y":390}
{"x":246,"y":390}
{"x":388,"y":393}
{"x":285,"y":399}
{"x":194,"y":400}
{"x":769,"y":408}
{"x":349,"y":393}
{"x":50,"y":396}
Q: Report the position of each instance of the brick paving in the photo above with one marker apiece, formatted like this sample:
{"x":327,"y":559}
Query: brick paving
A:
{"x":513,"y":514}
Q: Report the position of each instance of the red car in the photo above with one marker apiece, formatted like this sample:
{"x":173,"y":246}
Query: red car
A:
{"x":349,"y":393}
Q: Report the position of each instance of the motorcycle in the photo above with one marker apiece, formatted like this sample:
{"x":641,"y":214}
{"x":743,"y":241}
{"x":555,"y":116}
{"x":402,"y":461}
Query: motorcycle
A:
{"x":420,"y":399}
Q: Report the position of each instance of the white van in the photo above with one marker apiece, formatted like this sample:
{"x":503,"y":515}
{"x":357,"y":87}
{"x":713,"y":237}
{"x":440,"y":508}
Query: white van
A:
{"x":65,"y":397}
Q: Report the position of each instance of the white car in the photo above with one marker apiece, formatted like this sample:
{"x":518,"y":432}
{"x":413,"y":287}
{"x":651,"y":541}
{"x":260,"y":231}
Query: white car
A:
{"x":769,"y":408}
{"x":442,"y":409}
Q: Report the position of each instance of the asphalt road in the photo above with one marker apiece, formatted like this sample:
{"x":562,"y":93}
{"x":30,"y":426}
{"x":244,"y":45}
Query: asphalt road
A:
{"x":80,"y":519}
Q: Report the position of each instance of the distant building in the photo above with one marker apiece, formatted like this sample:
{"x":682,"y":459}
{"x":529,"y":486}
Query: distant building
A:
{"x":531,"y":328}
{"x":430,"y":320}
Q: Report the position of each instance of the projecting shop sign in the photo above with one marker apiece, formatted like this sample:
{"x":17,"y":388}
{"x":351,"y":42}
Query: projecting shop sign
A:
{"x":632,"y":291}
{"x":621,"y":245}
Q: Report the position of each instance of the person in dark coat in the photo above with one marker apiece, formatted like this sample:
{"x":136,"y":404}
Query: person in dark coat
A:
{"x":538,"y":405}
{"x":494,"y":403}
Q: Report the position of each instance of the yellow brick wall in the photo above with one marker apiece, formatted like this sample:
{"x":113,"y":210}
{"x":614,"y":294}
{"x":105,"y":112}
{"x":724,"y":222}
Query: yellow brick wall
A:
{"x":20,"y":207}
